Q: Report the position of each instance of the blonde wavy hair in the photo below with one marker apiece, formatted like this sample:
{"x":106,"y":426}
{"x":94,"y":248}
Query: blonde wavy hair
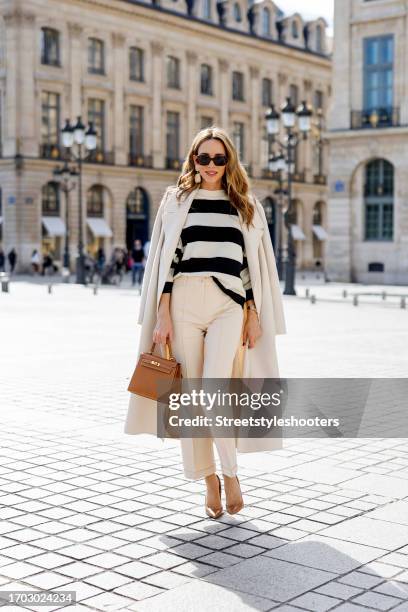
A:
{"x":235,"y":179}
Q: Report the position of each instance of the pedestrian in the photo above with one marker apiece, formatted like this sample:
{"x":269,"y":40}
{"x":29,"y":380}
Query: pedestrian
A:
{"x":2,"y":260}
{"x":12,"y":259}
{"x":35,"y":262}
{"x":47,"y":265}
{"x":100,"y":260}
{"x":211,"y":290}
{"x":138,"y":257}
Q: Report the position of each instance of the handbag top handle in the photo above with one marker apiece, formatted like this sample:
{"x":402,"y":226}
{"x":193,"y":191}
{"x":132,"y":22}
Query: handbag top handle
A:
{"x":169,"y":354}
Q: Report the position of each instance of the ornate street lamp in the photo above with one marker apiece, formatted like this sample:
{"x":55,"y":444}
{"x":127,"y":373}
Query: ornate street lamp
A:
{"x":284,"y":162}
{"x":79,"y":137}
{"x":62,"y":176}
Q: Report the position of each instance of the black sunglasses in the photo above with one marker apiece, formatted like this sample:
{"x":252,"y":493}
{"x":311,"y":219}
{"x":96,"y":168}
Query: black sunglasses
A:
{"x":204,"y":159}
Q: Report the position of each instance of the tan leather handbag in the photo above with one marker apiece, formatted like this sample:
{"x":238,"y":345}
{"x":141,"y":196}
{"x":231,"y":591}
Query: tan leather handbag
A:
{"x":151,"y":369}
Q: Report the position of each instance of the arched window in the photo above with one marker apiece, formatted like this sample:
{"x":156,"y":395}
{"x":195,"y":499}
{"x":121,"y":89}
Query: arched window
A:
{"x":295,"y":29}
{"x":379,"y":200}
{"x":50,"y":199}
{"x":266,"y":21}
{"x":319,"y":38}
{"x":136,"y":203}
{"x":95,"y":201}
{"x":206,"y":80}
{"x":317,"y":214}
{"x":237,"y":12}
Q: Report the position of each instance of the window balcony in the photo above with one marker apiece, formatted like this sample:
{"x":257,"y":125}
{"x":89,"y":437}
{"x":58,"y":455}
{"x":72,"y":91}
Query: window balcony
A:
{"x":173,"y":163}
{"x":320,"y":179}
{"x":377,"y":118}
{"x":268,"y":174}
{"x":141,"y":161}
{"x":299,"y":177}
{"x":51,"y":151}
{"x":98,"y":156}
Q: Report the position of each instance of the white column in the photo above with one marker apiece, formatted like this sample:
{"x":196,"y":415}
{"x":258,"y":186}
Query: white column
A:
{"x":157,"y":119}
{"x":119,"y":68}
{"x":224,"y":93}
{"x":255,"y":105}
{"x":192,"y":86}
{"x":342,"y":57}
{"x":76,"y":63}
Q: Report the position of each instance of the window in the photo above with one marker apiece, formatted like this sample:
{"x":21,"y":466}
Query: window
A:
{"x":96,"y":114}
{"x":173,"y":135}
{"x":207,"y":9}
{"x":206,"y":122}
{"x":379,"y":200}
{"x":266,"y":21}
{"x":378,"y":73}
{"x":50,"y":118}
{"x":206,"y":80}
{"x":238,"y":139}
{"x":237,"y":12}
{"x":136,"y":64}
{"x":50,"y":200}
{"x":267,"y":92}
{"x":50,"y":47}
{"x":173,"y":72}
{"x":319,"y":38}
{"x":318,"y":99}
{"x":96,"y":56}
{"x":136,"y":120}
{"x":94,"y":202}
{"x":237,"y":86}
{"x":295,"y":29}
{"x":294,"y":95}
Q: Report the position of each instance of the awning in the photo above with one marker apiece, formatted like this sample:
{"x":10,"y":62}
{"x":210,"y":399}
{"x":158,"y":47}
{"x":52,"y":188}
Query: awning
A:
{"x":320,"y":232}
{"x":99,"y":227}
{"x":55,"y":226}
{"x":297,"y":233}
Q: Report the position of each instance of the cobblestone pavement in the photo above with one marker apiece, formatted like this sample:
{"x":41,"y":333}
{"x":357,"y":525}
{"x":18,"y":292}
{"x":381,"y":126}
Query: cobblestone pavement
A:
{"x":86,"y":508}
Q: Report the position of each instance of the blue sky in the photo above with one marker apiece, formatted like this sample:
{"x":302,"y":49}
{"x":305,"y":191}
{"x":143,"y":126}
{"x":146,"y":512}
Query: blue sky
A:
{"x":309,"y":9}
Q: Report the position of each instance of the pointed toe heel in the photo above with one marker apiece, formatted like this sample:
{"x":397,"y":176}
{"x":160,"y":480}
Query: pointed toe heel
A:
{"x":234,"y":509}
{"x":217,"y":512}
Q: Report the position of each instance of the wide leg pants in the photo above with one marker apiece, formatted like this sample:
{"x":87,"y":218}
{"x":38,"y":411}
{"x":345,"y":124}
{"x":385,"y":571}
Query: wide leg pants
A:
{"x":207,"y":325}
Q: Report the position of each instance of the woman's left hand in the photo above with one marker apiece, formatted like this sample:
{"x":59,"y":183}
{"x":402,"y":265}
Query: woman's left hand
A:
{"x":252,"y":330}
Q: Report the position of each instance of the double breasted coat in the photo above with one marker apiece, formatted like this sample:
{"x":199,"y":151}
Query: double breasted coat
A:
{"x":258,"y":362}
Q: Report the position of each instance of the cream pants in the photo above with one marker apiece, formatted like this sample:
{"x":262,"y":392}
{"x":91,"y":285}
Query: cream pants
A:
{"x":207,"y":327}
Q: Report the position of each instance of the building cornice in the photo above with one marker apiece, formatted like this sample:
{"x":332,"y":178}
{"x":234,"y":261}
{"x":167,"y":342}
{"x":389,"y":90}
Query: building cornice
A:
{"x":138,"y":7}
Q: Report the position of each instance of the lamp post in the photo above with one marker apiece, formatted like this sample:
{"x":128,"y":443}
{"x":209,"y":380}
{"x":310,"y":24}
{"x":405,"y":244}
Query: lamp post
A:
{"x":277,"y":165}
{"x":80,"y":137}
{"x":288,"y":148}
{"x":62,"y":176}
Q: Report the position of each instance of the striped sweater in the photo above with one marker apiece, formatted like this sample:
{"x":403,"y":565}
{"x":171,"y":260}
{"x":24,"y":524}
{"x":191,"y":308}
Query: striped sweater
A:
{"x":211,"y":243}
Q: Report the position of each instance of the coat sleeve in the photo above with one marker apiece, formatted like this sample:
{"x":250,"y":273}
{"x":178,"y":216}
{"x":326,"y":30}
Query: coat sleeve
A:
{"x":154,"y":242}
{"x":273,"y":275}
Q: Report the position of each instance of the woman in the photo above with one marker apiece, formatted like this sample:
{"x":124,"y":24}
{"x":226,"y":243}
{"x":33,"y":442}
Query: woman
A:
{"x":207,"y":272}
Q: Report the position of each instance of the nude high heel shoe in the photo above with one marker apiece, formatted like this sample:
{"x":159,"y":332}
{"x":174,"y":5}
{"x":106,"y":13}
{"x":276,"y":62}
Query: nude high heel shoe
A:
{"x":233,"y":509}
{"x":218,"y":511}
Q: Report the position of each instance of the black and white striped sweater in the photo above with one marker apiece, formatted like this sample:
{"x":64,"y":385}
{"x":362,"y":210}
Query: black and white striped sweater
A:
{"x":211,"y":243}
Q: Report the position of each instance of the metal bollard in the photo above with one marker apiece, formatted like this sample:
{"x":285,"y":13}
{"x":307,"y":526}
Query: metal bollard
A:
{"x":307,"y":293}
{"x":384,"y":295}
{"x":5,"y":281}
{"x":355,"y":300}
{"x":49,"y":287}
{"x":403,"y":302}
{"x":344,"y":293}
{"x":313,"y":299}
{"x":95,"y":289}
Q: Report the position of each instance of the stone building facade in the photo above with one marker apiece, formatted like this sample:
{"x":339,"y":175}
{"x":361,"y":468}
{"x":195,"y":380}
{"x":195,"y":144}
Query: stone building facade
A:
{"x":149,"y":75}
{"x":368,"y":129}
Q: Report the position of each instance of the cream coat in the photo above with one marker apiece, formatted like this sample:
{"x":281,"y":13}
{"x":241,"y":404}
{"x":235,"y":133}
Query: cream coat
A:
{"x":258,"y":362}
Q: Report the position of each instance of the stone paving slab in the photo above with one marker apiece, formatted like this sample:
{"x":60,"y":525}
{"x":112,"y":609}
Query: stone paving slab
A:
{"x":84,"y":507}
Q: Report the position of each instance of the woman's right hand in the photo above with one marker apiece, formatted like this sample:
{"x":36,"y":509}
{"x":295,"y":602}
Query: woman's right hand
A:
{"x":163,"y":328}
